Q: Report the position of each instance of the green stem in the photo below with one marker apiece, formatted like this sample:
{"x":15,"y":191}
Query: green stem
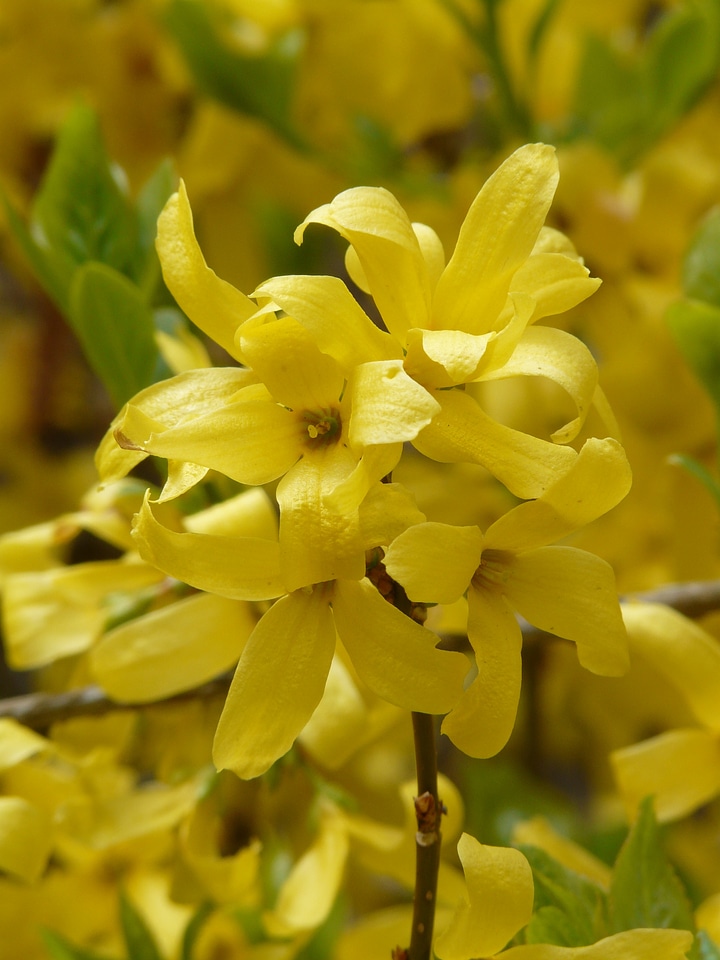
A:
{"x":428,"y":810}
{"x":513,"y":108}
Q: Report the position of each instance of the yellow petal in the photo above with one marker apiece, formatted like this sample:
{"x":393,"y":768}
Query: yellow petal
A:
{"x":499,"y":901}
{"x":306,"y":897}
{"x":25,"y":838}
{"x":444,"y":358}
{"x":278,"y":683}
{"x":432,"y":251}
{"x":340,"y":326}
{"x":571,"y":593}
{"x":630,"y":945}
{"x":172,"y":649}
{"x":539,"y":832}
{"x":560,"y":357}
{"x":387,"y":510}
{"x":598,"y":479}
{"x":17,"y":743}
{"x":372,"y":220}
{"x":249,"y":514}
{"x":182,"y":476}
{"x":251,"y":441}
{"x":375,"y":934}
{"x":233,"y":879}
{"x":496,"y":238}
{"x":316,"y":543}
{"x":182,"y":350}
{"x":393,"y":655}
{"x":57,"y":613}
{"x":680,"y":769}
{"x":337,"y":726}
{"x":481,"y":723}
{"x":241,"y":568}
{"x":556,"y":282}
{"x":463,"y":433}
{"x":387,"y":405}
{"x":213,"y":305}
{"x":435,"y":562}
{"x":682,"y":651}
{"x":287,"y":360}
{"x":375,"y":463}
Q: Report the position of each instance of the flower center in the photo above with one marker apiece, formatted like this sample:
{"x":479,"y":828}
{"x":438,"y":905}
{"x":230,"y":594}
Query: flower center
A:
{"x":322,"y":426}
{"x":493,"y":572}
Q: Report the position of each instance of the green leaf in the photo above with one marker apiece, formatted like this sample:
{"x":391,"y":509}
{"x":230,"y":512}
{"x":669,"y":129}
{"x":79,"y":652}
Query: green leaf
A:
{"x":115,"y":327}
{"x":645,"y":890}
{"x":569,"y":909}
{"x":698,"y":471}
{"x":695,"y":327}
{"x":706,"y":949}
{"x":259,"y":85}
{"x":61,"y":949}
{"x":82,"y":211}
{"x":150,"y":202}
{"x":192,"y":930}
{"x":138,"y":939}
{"x":701,"y":267}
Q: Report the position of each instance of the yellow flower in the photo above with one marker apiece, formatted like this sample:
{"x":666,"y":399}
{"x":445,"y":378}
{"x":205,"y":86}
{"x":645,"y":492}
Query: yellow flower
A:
{"x":285,"y":662}
{"x":680,"y":768}
{"x":560,"y":589}
{"x":461,"y":322}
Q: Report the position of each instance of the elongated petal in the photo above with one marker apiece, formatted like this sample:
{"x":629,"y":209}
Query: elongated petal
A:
{"x":435,"y":562}
{"x":571,"y":593}
{"x":241,"y":568}
{"x":481,"y":723}
{"x":681,"y":769}
{"x":682,"y":651}
{"x":555,"y":281}
{"x":387,"y":405}
{"x":640,"y":944}
{"x":372,"y":220}
{"x":340,"y":326}
{"x":375,"y":463}
{"x":597,"y":480}
{"x":463,"y":433}
{"x":182,"y":476}
{"x":252,"y":442}
{"x":393,"y":655}
{"x":432,"y":251}
{"x":340,"y":721}
{"x":316,"y":543}
{"x":172,"y":649}
{"x":496,"y":238}
{"x":499,"y":901}
{"x":560,"y":357}
{"x":287,"y":360}
{"x":444,"y":358}
{"x":278,"y":683}
{"x":306,"y":897}
{"x":248,"y":514}
{"x":26,"y":835}
{"x":213,"y":305}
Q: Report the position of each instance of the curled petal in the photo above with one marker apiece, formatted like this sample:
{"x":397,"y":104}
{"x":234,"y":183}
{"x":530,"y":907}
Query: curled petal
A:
{"x":681,"y":769}
{"x":444,"y":358}
{"x":213,"y":305}
{"x":278,"y":683}
{"x":387,"y":405}
{"x":435,"y":562}
{"x":597,"y":480}
{"x":560,"y":357}
{"x":482,"y":721}
{"x":571,"y":593}
{"x":393,"y":655}
{"x":498,"y":902}
{"x":498,"y":235}
{"x":340,"y":326}
{"x":462,"y":432}
{"x":556,"y":282}
{"x":682,"y":651}
{"x":241,"y":568}
{"x":372,"y":220}
{"x":375,"y":463}
{"x":640,"y":944}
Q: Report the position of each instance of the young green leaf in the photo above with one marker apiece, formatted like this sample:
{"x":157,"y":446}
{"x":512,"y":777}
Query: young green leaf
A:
{"x":59,"y":948}
{"x":150,"y":201}
{"x":138,"y":939}
{"x":705,"y":948}
{"x":695,"y":327}
{"x":82,"y":210}
{"x":645,"y":890}
{"x":192,"y":930}
{"x":569,"y":909}
{"x":116,"y":330}
{"x":701,"y":267}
